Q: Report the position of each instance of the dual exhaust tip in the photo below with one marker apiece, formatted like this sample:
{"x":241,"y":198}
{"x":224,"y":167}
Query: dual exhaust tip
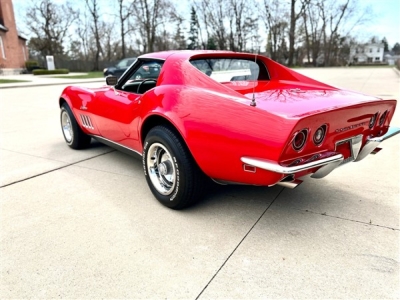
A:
{"x":290,"y":182}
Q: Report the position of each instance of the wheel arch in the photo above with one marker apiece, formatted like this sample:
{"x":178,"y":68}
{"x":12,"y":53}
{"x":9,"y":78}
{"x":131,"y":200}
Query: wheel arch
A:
{"x":156,"y":120}
{"x":61,"y":101}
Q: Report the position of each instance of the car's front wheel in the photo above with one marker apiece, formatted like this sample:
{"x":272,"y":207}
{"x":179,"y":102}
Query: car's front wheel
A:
{"x":73,"y":134}
{"x":171,"y":172}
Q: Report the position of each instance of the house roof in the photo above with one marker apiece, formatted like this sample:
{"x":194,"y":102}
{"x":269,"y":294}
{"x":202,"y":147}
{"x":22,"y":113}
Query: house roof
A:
{"x":22,"y":38}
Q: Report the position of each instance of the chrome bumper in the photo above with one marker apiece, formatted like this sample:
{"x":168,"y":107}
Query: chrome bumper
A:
{"x":372,"y":143}
{"x":326,"y":162}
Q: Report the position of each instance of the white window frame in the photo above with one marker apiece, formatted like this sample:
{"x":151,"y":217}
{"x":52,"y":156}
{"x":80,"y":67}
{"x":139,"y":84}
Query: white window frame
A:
{"x":3,"y":53}
{"x":23,"y":52}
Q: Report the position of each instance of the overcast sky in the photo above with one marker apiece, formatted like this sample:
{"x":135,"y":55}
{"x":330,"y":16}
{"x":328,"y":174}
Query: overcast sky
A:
{"x":386,"y":21}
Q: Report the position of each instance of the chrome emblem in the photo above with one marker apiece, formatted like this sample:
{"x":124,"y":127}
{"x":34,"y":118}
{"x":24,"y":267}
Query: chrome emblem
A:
{"x":350,"y":127}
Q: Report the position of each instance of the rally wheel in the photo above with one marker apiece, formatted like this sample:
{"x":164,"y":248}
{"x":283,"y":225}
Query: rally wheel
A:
{"x":171,"y":172}
{"x":73,"y":134}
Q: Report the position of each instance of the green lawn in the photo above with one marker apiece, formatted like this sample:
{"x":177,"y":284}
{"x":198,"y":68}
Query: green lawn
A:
{"x":12,"y":81}
{"x":83,"y":76}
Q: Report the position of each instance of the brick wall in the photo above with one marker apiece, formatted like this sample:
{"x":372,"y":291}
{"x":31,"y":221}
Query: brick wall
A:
{"x":12,"y":44}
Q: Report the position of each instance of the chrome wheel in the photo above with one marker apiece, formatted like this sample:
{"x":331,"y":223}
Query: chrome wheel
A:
{"x":161,"y":169}
{"x":67,"y":127}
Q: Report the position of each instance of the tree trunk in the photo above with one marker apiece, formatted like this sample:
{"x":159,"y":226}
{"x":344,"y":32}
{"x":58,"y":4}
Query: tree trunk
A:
{"x":292,"y":31}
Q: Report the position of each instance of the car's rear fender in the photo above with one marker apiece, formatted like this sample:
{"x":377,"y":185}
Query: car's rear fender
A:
{"x":218,"y":131}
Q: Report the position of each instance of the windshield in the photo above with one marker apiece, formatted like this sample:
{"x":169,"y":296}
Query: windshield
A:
{"x":228,"y":69}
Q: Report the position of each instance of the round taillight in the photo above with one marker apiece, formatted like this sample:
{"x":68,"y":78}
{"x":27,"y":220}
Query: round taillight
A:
{"x":299,"y":140}
{"x":373,"y":120}
{"x":319,"y":135}
{"x":382,"y":119}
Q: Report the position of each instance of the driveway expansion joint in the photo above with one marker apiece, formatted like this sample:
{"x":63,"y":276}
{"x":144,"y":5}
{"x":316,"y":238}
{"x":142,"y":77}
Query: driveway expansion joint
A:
{"x":56,"y":169}
{"x":238,"y":245}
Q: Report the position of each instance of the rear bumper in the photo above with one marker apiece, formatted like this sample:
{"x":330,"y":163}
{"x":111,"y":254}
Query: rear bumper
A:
{"x":326,"y":162}
{"x":372,"y":143}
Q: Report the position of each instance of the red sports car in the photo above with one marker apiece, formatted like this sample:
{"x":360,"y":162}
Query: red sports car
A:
{"x":236,"y":118}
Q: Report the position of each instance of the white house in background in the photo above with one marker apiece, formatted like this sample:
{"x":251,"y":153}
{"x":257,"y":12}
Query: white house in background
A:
{"x":366,"y":53}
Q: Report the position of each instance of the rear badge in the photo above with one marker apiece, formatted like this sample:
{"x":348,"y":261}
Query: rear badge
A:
{"x":350,"y":127}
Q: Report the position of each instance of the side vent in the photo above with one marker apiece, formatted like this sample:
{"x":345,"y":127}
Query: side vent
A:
{"x":86,"y":122}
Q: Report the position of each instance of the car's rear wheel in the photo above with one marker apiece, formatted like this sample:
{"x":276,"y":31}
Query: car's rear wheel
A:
{"x":171,"y":172}
{"x":73,"y":134}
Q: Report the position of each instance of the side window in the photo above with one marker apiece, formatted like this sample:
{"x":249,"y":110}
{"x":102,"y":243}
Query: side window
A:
{"x":148,"y":70}
{"x":143,"y":78}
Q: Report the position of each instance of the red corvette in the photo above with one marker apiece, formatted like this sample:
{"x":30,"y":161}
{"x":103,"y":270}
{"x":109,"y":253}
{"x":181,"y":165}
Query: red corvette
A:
{"x":236,"y":118}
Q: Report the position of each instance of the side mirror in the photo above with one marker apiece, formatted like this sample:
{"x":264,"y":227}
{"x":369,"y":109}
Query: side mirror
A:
{"x":111,"y":80}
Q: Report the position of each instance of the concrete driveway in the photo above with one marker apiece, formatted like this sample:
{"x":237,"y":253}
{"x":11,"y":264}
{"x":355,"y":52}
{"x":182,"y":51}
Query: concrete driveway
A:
{"x":83,"y":224}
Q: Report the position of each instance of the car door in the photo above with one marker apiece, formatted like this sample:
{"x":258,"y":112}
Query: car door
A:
{"x":117,"y":108}
{"x":117,"y":112}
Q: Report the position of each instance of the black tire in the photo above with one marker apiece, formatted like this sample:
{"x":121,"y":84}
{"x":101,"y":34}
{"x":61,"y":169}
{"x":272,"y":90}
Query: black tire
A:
{"x":73,"y":134}
{"x":170,"y":170}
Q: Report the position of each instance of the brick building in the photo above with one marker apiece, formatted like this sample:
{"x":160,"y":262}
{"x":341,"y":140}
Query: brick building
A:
{"x":13,"y":50}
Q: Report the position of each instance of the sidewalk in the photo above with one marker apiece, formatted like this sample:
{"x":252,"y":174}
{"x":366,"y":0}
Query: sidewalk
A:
{"x":44,"y":80}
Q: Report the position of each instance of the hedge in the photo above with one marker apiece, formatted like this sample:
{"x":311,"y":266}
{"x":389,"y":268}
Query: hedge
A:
{"x":31,"y":64}
{"x":50,"y":72}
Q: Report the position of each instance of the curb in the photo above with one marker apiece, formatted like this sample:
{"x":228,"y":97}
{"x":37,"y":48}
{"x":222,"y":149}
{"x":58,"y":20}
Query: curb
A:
{"x":47,"y":84}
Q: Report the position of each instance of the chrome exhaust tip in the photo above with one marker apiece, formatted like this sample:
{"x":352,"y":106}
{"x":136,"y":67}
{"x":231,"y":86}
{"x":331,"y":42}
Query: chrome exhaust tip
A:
{"x":290,"y":184}
{"x":376,"y":150}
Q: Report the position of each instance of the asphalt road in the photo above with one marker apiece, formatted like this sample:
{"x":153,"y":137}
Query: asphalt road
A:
{"x":83,"y":224}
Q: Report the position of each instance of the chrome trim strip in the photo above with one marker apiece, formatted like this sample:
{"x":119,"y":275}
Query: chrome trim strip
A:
{"x":86,"y":122}
{"x":83,"y":121}
{"x":118,"y":146}
{"x":244,"y":168}
{"x":277,"y":168}
{"x":373,"y":143}
{"x":89,"y":122}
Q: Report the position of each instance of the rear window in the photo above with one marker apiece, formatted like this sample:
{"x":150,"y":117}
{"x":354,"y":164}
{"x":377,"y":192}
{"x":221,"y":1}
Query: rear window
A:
{"x":231,"y":69}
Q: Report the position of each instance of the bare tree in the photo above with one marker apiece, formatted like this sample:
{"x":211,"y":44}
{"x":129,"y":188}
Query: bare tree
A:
{"x":93,"y":7}
{"x":340,"y":17}
{"x":274,"y":13}
{"x":49,"y":22}
{"x":150,"y":15}
{"x":292,"y":29}
{"x":314,"y":22}
{"x":203,"y":19}
{"x":212,"y":17}
{"x":80,"y":43}
{"x":124,"y":14}
{"x":241,"y":22}
{"x":110,"y":45}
